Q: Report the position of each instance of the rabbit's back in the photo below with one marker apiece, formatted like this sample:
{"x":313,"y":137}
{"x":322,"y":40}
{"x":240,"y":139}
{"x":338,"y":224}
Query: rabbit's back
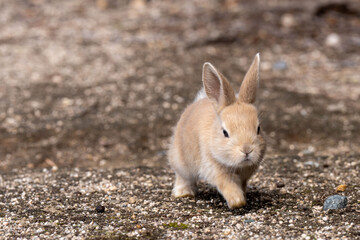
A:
{"x":194,"y":125}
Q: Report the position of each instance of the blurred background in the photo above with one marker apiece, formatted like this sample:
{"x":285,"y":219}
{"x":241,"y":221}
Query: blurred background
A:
{"x":101,"y":83}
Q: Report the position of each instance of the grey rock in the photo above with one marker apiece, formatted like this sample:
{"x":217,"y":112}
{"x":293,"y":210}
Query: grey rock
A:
{"x":335,"y":202}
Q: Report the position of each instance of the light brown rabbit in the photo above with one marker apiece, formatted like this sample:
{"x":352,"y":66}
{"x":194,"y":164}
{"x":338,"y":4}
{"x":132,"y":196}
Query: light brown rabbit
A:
{"x":218,"y":138}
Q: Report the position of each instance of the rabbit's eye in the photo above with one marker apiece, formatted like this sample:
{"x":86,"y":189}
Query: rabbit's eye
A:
{"x":225,"y":133}
{"x":258,"y":130}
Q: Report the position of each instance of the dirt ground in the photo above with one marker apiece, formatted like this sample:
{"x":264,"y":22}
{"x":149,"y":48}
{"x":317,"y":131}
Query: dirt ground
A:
{"x":101,"y":83}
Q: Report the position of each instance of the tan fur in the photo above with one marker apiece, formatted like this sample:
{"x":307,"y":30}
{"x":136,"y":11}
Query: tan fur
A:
{"x":199,"y":148}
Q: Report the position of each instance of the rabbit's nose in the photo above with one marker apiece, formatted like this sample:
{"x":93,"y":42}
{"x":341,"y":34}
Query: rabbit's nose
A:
{"x":247,"y":149}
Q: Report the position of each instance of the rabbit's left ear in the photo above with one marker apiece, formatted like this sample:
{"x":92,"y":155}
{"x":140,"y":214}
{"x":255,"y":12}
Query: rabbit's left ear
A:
{"x":217,"y":87}
{"x":250,"y":83}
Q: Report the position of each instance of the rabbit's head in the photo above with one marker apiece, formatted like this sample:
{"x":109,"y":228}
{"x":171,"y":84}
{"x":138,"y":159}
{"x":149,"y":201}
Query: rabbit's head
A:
{"x":236,"y":139}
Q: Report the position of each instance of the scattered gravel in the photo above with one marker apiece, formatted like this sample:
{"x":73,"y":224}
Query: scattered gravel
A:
{"x":52,"y":204}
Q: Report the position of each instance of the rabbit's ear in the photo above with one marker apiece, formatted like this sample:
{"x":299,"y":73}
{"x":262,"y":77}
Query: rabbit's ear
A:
{"x":217,"y":87}
{"x":250,"y":83}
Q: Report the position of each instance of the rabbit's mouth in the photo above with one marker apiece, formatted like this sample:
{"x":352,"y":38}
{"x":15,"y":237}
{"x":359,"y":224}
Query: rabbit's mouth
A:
{"x":247,"y":161}
{"x":247,"y":157}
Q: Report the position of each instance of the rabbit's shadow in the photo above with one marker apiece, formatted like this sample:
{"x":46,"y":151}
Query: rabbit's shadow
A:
{"x":256,"y":199}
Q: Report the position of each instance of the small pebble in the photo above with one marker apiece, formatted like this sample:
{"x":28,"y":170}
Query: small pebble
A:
{"x":341,"y":188}
{"x":280,"y":65}
{"x":132,"y":200}
{"x":280,"y":185}
{"x":227,"y":231}
{"x":333,"y":40}
{"x":288,"y":20}
{"x":303,"y":208}
{"x":311,"y":163}
{"x":249,"y":220}
{"x":335,"y":202}
{"x":309,"y":150}
{"x":100,"y":209}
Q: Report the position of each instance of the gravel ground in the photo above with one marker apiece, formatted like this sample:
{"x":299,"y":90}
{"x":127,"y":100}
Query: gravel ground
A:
{"x":90,"y":91}
{"x":284,"y":201}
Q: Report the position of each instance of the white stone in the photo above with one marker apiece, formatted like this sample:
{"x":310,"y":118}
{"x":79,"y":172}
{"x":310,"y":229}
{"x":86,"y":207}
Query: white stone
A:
{"x":333,"y":40}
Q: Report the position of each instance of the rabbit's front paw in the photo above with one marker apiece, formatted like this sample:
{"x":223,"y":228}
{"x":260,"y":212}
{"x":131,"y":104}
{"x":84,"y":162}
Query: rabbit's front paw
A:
{"x":235,"y":199}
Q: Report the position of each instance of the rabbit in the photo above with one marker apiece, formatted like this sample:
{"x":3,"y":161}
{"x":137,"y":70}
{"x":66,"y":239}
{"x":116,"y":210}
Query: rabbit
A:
{"x":218,"y":138}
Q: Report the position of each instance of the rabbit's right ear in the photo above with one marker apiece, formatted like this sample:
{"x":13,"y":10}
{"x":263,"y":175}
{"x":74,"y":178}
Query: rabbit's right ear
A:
{"x":250,"y":83}
{"x":217,"y":87}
